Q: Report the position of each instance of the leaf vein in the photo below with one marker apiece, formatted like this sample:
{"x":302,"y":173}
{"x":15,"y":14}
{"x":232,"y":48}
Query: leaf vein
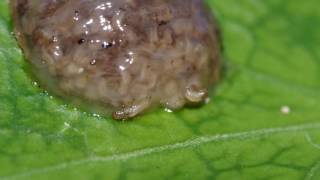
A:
{"x":312,"y":171}
{"x":192,"y":142}
{"x":309,"y":139}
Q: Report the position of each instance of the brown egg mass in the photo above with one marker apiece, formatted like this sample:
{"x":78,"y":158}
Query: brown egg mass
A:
{"x":120,"y":56}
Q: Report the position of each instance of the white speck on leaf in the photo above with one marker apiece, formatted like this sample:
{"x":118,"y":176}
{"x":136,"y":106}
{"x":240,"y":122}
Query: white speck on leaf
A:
{"x":285,"y":110}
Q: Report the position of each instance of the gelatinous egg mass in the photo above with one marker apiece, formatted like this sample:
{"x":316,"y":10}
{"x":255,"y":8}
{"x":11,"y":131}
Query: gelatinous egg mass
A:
{"x":120,"y":56}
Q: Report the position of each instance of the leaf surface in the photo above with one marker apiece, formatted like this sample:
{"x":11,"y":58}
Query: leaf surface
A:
{"x":263,"y":121}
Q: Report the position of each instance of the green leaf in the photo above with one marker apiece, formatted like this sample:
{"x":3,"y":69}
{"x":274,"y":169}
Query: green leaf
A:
{"x":263,"y":122}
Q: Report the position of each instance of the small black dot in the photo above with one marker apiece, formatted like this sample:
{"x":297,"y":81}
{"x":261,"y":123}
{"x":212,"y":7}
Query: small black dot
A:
{"x":81,"y":41}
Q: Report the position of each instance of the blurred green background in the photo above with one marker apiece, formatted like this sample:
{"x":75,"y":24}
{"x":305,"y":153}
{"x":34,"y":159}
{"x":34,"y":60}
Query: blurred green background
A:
{"x":262,"y":123}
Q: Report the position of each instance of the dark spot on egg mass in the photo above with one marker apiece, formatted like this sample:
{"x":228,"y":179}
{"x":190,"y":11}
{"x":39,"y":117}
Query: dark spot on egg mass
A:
{"x":106,"y":45}
{"x":81,"y":41}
